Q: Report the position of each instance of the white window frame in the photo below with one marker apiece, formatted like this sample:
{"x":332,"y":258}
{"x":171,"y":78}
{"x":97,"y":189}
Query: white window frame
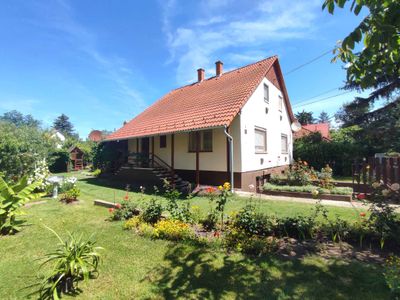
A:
{"x":257,"y":149}
{"x":280,"y":104}
{"x":266,"y":93}
{"x":285,"y":151}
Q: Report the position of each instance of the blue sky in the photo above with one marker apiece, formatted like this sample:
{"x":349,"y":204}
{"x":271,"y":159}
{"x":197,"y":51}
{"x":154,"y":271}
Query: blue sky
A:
{"x":103,"y":62}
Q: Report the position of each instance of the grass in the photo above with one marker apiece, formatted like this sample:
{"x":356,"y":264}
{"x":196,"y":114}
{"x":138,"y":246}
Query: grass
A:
{"x":139,"y":268}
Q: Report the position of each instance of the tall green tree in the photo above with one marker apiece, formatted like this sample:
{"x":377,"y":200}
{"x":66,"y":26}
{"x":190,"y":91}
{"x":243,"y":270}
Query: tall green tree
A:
{"x":63,"y":125}
{"x":323,"y":117}
{"x":305,"y":117}
{"x":17,"y":118}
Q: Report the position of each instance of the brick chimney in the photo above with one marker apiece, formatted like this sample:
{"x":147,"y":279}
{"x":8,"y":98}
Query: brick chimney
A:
{"x":219,"y":68}
{"x":200,"y":75}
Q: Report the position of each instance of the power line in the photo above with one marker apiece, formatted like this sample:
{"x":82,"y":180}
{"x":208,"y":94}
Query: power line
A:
{"x":323,"y":99}
{"x":309,"y":62}
{"x":323,"y":93}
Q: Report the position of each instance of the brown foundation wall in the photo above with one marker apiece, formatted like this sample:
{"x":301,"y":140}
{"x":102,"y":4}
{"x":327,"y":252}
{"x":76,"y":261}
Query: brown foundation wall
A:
{"x":249,"y":178}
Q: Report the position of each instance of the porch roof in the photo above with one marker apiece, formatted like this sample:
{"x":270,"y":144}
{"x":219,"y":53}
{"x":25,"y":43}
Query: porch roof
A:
{"x":211,"y":103}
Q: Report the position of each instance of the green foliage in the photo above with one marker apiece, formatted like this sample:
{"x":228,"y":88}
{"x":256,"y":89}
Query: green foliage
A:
{"x":392,"y":275}
{"x":323,"y":117}
{"x":63,"y":125}
{"x":18,"y":119}
{"x":21,"y":147}
{"x":105,"y":156}
{"x":12,"y":198}
{"x":339,"y":153}
{"x":308,"y":189}
{"x":222,"y":199}
{"x":71,"y":195}
{"x":59,"y":161}
{"x":305,"y":117}
{"x":209,"y":223}
{"x":325,"y":178}
{"x":299,"y":227}
{"x":178,"y":212}
{"x":252,"y":222}
{"x":96,"y":173}
{"x":75,"y":259}
{"x":152,"y":212}
{"x":300,"y":173}
{"x":172,"y":230}
{"x":379,"y":31}
{"x":124,"y":211}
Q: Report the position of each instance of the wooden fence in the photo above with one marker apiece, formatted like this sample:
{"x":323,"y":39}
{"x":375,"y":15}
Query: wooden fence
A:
{"x":367,"y":171}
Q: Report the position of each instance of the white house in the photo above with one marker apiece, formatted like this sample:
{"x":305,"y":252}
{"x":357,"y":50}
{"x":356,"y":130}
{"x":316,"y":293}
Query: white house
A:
{"x":236,"y":124}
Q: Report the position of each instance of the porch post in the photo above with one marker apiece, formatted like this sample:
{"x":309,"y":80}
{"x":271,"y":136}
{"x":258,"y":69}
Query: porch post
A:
{"x":152,"y":151}
{"x":228,"y":156}
{"x":198,"y":158}
{"x":137,"y":145}
{"x":172,"y":158}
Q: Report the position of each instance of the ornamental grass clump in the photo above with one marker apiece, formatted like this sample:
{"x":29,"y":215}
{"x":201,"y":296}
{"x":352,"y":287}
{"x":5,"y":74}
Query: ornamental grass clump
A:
{"x":75,"y":259}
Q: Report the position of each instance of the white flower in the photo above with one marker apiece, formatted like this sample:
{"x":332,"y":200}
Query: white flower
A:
{"x":395,"y":187}
{"x":385,"y":192}
{"x":251,"y":186}
{"x":376,"y":184}
{"x":315,"y":193}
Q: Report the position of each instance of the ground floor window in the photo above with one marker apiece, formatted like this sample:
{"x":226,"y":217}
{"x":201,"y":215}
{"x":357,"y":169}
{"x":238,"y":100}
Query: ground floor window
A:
{"x":206,"y":141}
{"x":260,"y":135}
{"x":163,"y":141}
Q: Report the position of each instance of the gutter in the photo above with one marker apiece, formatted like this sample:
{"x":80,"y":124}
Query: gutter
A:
{"x":230,"y":138}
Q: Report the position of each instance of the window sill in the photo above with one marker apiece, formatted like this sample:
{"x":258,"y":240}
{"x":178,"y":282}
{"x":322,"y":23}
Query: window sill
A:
{"x":259,"y":152}
{"x":200,"y":151}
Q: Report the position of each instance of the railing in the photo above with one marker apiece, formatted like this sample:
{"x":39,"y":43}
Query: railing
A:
{"x":367,"y":171}
{"x":148,"y":160}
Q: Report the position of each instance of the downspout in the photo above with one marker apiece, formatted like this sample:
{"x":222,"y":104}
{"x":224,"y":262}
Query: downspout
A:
{"x":230,"y":138}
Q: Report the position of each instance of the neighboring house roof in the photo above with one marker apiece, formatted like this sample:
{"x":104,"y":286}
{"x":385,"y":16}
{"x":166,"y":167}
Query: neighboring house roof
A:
{"x":96,"y":136}
{"x":213,"y":102}
{"x":322,"y":128}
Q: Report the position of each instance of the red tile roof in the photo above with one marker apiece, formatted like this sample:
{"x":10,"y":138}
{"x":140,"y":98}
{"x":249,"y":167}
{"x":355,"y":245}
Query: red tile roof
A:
{"x":322,"y":128}
{"x":213,"y":102}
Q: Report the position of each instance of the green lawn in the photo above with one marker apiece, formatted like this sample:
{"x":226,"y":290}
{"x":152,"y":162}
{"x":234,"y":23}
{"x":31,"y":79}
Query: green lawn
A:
{"x":139,"y":268}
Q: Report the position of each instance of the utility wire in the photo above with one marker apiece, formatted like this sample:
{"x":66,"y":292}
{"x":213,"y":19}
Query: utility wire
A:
{"x":323,"y":99}
{"x":321,"y":94}
{"x":309,"y":62}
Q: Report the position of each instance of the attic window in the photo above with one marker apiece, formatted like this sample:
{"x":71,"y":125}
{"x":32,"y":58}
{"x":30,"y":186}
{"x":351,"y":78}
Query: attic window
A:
{"x":163,"y":141}
{"x":266,"y":93}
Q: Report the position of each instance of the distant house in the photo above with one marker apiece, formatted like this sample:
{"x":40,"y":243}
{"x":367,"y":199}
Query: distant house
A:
{"x":322,"y":128}
{"x":59,"y":138}
{"x":233,"y":125}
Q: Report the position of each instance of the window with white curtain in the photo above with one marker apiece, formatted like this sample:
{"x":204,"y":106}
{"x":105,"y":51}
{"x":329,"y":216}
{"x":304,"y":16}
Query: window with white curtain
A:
{"x":260,"y":135}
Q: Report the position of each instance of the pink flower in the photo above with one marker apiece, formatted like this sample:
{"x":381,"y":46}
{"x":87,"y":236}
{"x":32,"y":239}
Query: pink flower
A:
{"x":118,"y":206}
{"x":111,"y":210}
{"x":361,"y":196}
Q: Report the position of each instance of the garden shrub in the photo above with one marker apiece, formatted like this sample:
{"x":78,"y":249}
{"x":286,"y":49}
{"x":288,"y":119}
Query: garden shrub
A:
{"x":209,"y":223}
{"x":152,"y":212}
{"x":172,"y":230}
{"x":132,"y":223}
{"x":68,"y":184}
{"x":40,"y":173}
{"x":252,"y":222}
{"x":71,"y":195}
{"x":307,"y":189}
{"x":392,"y":275}
{"x":300,"y":173}
{"x":299,"y":227}
{"x":124,"y":211}
{"x":59,"y":161}
{"x":257,"y":246}
{"x":74,"y":259}
{"x":325,"y":178}
{"x":96,"y":173}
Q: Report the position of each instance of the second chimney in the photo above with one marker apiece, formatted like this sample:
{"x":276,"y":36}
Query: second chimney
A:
{"x":219,"y":68}
{"x":200,"y":75}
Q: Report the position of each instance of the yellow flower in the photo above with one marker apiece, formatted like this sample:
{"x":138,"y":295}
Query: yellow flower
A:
{"x":220,"y":187}
{"x":227,"y":186}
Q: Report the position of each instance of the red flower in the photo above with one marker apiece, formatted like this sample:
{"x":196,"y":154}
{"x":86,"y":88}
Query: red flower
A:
{"x":118,"y":205}
{"x":361,"y":196}
{"x":111,"y":210}
{"x":362,"y":214}
{"x":216,"y":234}
{"x":210,"y":190}
{"x":126,"y":198}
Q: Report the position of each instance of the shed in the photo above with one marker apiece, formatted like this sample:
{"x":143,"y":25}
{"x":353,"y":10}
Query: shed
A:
{"x":76,"y":158}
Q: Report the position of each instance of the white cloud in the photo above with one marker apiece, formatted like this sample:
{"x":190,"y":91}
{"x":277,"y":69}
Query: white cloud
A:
{"x":243,"y":36}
